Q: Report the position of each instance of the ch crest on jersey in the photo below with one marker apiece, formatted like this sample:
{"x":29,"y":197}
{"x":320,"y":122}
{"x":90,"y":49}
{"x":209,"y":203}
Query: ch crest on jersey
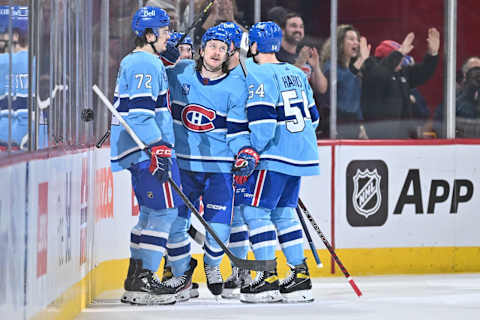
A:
{"x":198,"y":118}
{"x":185,"y":89}
{"x":366,"y":197}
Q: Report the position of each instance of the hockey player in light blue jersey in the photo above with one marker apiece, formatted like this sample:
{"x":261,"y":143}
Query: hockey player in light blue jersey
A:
{"x":210,"y":124}
{"x":238,"y":242}
{"x":141,"y":96}
{"x":282,"y":118}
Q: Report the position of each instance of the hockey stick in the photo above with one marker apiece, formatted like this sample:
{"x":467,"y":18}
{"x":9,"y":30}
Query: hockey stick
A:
{"x":329,"y":247}
{"x":197,"y":21}
{"x":243,"y":52}
{"x":309,"y":238}
{"x":257,"y":265}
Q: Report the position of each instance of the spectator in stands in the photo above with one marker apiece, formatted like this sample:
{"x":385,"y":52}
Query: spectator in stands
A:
{"x":468,"y":106}
{"x":221,"y":11}
{"x":277,"y":14}
{"x":471,"y":62}
{"x":352,"y":50}
{"x":293,"y":32}
{"x":386,"y":85}
{"x":309,"y":61}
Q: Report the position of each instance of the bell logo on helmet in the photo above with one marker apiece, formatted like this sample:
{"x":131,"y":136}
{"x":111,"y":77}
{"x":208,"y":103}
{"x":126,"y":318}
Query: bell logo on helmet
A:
{"x":147,"y":13}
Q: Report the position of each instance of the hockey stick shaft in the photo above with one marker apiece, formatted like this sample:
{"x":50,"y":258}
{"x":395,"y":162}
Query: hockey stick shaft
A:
{"x":197,"y":21}
{"x":309,"y":238}
{"x":257,"y":265}
{"x":329,"y":247}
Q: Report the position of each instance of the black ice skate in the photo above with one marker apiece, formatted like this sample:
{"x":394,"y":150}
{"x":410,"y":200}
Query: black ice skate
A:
{"x":263,"y":289}
{"x":214,"y":279}
{"x":238,"y":279}
{"x":167,"y":275}
{"x":183,"y":284}
{"x":143,"y":287}
{"x":297,"y":286}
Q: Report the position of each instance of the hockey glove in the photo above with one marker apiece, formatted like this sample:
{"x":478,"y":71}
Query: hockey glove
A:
{"x":170,"y":55}
{"x":245,"y":162}
{"x":160,"y":161}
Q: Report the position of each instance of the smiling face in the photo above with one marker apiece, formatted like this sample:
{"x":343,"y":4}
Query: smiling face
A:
{"x":351,"y":44}
{"x":214,"y":54}
{"x":294,"y":30}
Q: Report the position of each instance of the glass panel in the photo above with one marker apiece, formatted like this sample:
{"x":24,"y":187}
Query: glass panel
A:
{"x":400,"y":84}
{"x":468,"y":74}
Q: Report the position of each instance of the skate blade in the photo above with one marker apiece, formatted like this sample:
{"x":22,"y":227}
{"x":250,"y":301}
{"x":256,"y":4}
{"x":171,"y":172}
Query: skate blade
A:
{"x":231,"y":293}
{"x":194,"y":293}
{"x":133,"y":297}
{"x":262,"y":297}
{"x":301,"y":296}
{"x":162,"y":299}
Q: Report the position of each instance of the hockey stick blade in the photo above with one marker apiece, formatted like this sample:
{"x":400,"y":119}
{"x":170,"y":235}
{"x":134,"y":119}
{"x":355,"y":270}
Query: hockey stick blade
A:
{"x":257,"y":265}
{"x":329,"y":247}
{"x":243,"y":52}
{"x":196,"y":235}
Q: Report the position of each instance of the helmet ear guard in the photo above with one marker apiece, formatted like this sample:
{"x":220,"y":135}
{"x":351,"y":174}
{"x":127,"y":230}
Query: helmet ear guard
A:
{"x":267,"y":35}
{"x":149,"y":17}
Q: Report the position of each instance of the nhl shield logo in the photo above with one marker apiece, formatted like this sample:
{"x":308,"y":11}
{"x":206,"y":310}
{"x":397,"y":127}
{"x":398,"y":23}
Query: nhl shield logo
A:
{"x":185,"y":89}
{"x":366,"y":196}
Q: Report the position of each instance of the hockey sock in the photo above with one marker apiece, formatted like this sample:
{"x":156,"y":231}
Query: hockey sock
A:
{"x":153,"y":242}
{"x":213,"y":252}
{"x":261,"y":232}
{"x":179,"y":246}
{"x":136,"y":234}
{"x":289,"y":234}
{"x":239,"y":234}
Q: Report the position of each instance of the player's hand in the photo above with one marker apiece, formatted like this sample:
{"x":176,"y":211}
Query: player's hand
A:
{"x":160,"y":163}
{"x":170,"y":55}
{"x":245,"y":162}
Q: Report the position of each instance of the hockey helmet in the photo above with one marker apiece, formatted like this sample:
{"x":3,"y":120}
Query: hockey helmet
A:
{"x":176,"y":36}
{"x":216,"y":33}
{"x":235,"y":32}
{"x":149,"y":17}
{"x":4,"y":13}
{"x":267,"y":35}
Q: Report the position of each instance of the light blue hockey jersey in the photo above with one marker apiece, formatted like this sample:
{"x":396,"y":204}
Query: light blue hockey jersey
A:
{"x":141,"y":97}
{"x":20,"y":96}
{"x":210,"y":121}
{"x":282,"y":118}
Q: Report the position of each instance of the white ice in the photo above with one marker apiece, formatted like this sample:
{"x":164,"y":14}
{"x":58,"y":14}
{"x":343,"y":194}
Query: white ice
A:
{"x":425,"y":297}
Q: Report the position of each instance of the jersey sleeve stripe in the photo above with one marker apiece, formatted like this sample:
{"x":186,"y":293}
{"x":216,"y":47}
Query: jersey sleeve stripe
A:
{"x":261,"y":112}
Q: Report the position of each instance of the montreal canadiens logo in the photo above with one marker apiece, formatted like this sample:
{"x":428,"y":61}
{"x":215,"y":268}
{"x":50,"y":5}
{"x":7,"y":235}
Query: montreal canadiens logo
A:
{"x":366,"y":197}
{"x":197,"y":118}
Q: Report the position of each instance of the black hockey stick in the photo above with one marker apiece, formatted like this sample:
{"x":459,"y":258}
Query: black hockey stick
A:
{"x":329,"y":247}
{"x":309,"y":238}
{"x":197,"y":21}
{"x":257,"y":265}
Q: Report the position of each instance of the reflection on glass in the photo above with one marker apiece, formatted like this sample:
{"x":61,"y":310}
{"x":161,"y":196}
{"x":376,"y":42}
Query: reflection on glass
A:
{"x":4,"y":67}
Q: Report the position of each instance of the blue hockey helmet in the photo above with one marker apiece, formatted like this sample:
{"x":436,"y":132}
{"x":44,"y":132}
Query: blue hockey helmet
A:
{"x":267,"y":35}
{"x":149,"y":17}
{"x":4,"y":13}
{"x":216,"y":33}
{"x":20,"y":18}
{"x":235,"y":32}
{"x":175,"y":37}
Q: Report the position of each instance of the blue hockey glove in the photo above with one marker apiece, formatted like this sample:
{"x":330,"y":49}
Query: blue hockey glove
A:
{"x":160,"y":163}
{"x":170,"y":56}
{"x":245,"y":162}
